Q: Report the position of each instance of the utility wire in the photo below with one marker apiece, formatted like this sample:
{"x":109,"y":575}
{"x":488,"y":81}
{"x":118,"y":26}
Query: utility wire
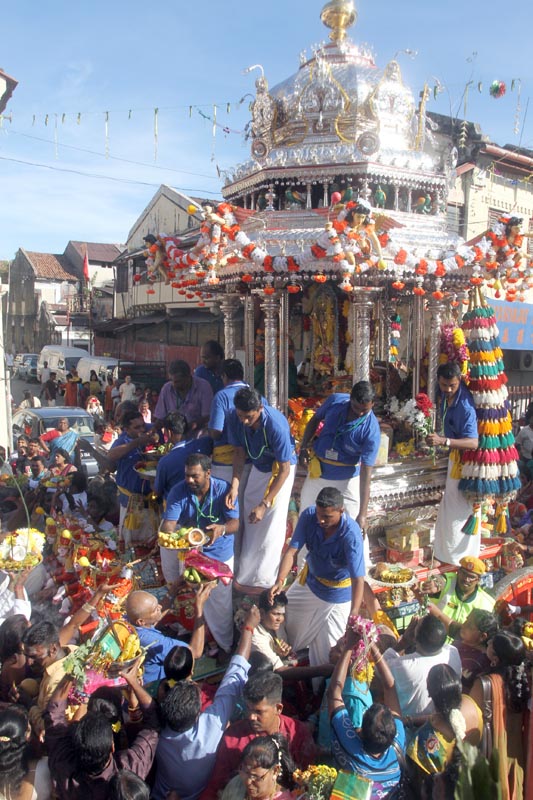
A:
{"x":111,"y":157}
{"x":102,"y":177}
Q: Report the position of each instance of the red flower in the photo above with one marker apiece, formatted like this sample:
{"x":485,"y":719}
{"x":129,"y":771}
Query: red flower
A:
{"x":423,"y":403}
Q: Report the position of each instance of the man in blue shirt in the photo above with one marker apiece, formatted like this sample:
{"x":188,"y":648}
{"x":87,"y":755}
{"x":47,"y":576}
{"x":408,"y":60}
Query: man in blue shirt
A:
{"x":188,"y":742}
{"x":344,"y":452}
{"x":212,"y":356}
{"x":329,"y":589}
{"x":260,"y":434}
{"x":144,"y":612}
{"x":199,"y":501}
{"x":124,"y":453}
{"x":233,"y":379}
{"x":171,"y":468}
{"x":459,"y":421}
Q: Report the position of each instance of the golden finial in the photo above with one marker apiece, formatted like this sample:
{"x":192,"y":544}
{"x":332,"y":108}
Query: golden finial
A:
{"x":338,"y":15}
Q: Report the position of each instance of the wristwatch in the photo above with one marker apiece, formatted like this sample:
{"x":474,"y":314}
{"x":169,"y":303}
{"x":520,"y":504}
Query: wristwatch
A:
{"x":447,"y":442}
{"x":266,"y":503}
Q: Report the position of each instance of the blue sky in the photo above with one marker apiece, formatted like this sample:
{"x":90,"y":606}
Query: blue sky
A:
{"x":89,"y":58}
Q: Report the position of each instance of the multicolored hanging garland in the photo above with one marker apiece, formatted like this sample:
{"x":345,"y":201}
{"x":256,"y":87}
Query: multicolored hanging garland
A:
{"x":490,"y":470}
{"x":395,"y":335}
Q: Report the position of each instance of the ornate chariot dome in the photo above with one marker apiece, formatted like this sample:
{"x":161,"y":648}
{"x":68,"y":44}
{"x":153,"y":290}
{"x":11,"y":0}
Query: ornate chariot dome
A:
{"x":338,"y":109}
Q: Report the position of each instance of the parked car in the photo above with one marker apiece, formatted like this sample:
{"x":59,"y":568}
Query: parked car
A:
{"x":28,"y":369}
{"x":33,"y":422}
{"x":19,"y":359}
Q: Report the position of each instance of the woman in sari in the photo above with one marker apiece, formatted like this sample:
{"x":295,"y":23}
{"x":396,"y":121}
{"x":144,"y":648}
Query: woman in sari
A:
{"x":507,"y":687}
{"x":61,"y":437}
{"x":456,"y":717}
{"x":61,"y":465}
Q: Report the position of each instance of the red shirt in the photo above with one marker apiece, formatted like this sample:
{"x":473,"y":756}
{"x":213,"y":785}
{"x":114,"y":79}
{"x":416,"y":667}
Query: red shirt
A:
{"x":301,"y":747}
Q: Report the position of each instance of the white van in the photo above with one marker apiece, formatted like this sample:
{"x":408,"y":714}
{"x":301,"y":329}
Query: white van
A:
{"x":60,"y":360}
{"x":102,"y":365}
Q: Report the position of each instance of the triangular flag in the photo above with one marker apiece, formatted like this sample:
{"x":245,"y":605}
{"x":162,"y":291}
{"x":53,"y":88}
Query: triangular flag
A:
{"x":86,"y":265}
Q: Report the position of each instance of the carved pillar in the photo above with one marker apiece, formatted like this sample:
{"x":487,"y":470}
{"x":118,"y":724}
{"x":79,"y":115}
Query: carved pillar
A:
{"x":283,"y":365}
{"x":270,"y":308}
{"x":363,"y":304}
{"x":229,"y":306}
{"x":409,"y":200}
{"x":249,"y":339}
{"x":326,"y":194}
{"x":396,"y":198}
{"x":418,"y":340}
{"x":308,"y":198}
{"x":436,"y":313}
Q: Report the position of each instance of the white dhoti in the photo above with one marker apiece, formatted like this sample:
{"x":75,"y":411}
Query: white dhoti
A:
{"x":314,"y":623}
{"x":451,"y":544}
{"x":349,"y":488}
{"x":225,"y":472}
{"x":222,"y":471}
{"x":262,"y":542}
{"x":218,"y":610}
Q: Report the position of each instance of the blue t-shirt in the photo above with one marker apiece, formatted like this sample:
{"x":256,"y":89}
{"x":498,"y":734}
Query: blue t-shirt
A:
{"x":214,"y":380}
{"x":335,"y":559}
{"x":182,"y":505}
{"x":126,"y":477}
{"x":459,"y":419}
{"x":347,"y":747}
{"x":349,"y":443}
{"x":161,"y":646}
{"x":171,"y":468}
{"x":272,"y":441}
{"x":221,"y":405}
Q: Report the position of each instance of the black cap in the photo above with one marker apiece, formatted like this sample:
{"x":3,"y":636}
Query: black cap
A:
{"x":150,"y":238}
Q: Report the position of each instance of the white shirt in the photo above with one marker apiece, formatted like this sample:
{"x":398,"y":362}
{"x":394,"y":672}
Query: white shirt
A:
{"x":127,"y":391}
{"x":410,"y":674}
{"x":524,"y":442}
{"x":9,"y":604}
{"x":31,"y":403}
{"x":45,"y":375}
{"x":262,"y":642}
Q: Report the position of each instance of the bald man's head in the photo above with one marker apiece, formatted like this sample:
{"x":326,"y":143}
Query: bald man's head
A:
{"x":143,"y":609}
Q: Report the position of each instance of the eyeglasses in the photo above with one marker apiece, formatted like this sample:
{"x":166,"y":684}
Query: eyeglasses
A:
{"x":468,"y":576}
{"x":254,"y":778}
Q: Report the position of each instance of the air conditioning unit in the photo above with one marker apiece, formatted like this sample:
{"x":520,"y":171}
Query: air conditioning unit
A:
{"x":526,"y":361}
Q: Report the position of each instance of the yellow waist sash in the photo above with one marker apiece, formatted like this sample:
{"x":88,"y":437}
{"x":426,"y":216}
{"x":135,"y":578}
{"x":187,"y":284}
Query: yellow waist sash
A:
{"x":457,"y":468}
{"x":223,"y":454}
{"x":315,"y":469}
{"x":302,"y":580}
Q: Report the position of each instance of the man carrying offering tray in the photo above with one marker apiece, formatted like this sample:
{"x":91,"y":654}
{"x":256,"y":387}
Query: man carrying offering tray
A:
{"x":199,"y":502}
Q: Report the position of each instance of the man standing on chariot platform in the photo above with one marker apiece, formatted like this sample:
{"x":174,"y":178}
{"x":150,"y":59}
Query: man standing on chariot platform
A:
{"x":344,"y":452}
{"x":459,"y":422}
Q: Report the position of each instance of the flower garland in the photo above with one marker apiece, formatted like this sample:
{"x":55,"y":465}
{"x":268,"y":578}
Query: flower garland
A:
{"x":453,"y":347}
{"x":368,"y":635}
{"x":223,"y":243}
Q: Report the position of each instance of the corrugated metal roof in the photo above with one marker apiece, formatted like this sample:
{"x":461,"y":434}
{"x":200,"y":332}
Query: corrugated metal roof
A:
{"x":98,"y":251}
